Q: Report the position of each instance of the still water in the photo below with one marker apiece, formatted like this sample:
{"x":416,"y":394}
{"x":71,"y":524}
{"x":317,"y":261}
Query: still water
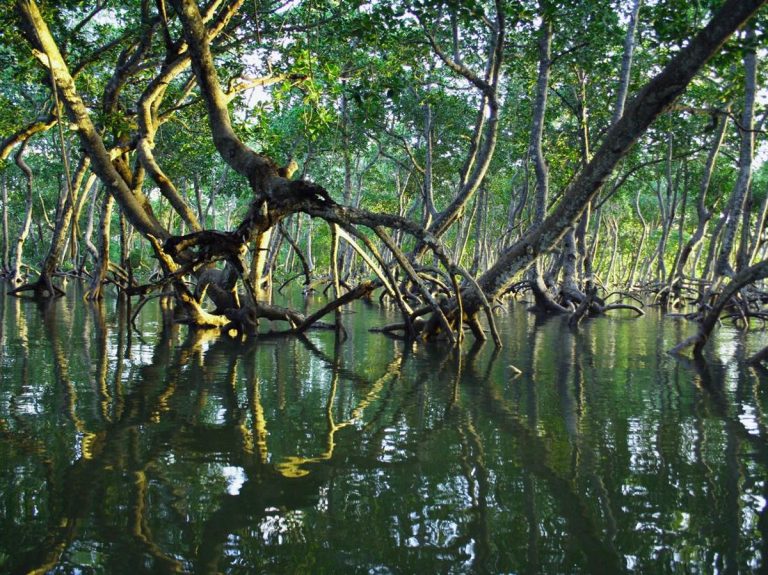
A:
{"x":156,"y":450}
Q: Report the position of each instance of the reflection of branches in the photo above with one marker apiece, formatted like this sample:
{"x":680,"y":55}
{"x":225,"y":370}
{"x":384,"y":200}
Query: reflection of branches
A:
{"x":103,"y":452}
{"x":293,"y":466}
{"x":536,"y":457}
{"x":589,"y":458}
{"x":713,"y":388}
{"x":140,"y":527}
{"x":61,"y":368}
{"x":474,"y":469}
{"x":102,"y":361}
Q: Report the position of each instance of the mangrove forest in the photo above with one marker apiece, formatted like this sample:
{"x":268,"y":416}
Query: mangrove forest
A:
{"x":361,"y":286}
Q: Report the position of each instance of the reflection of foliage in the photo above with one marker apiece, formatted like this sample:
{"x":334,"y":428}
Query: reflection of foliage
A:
{"x":419,"y":454}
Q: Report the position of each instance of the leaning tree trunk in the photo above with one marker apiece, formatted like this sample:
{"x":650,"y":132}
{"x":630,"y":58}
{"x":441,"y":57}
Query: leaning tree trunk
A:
{"x":6,"y":254}
{"x":626,"y":62}
{"x":544,"y":300}
{"x":96,"y":289}
{"x":15,"y":277}
{"x":44,"y":287}
{"x":485,"y":136}
{"x":656,"y":97}
{"x":738,"y":198}
{"x":704,"y":215}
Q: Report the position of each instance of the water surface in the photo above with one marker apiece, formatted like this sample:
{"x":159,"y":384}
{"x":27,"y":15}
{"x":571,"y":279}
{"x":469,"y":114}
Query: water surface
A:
{"x":158,"y":450}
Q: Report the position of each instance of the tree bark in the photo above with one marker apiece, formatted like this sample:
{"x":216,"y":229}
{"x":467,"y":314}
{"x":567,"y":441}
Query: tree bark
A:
{"x":429,"y":201}
{"x":667,"y":208}
{"x":757,"y":237}
{"x":704,"y":215}
{"x":626,"y":62}
{"x":259,"y":170}
{"x":132,"y":202}
{"x":738,"y":198}
{"x":486,"y":129}
{"x":639,"y":251}
{"x":148,"y":122}
{"x":88,"y":234}
{"x":15,"y":276}
{"x":64,"y":221}
{"x":544,"y":300}
{"x":41,"y":124}
{"x":96,"y":290}
{"x":5,"y":264}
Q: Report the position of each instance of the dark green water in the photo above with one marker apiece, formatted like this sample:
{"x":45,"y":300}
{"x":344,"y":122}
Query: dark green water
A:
{"x":154,"y":451}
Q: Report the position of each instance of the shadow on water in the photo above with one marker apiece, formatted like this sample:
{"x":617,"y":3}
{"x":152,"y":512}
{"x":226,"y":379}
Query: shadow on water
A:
{"x":172,"y":451}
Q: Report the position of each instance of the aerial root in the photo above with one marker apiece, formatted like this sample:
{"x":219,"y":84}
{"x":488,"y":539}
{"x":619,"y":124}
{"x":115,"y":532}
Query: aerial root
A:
{"x":628,"y":306}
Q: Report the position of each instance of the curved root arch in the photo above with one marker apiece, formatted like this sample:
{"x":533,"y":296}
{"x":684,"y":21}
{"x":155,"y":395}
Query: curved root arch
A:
{"x":182,"y":257}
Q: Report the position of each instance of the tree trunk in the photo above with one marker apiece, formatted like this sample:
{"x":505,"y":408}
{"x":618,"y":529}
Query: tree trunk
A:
{"x":61,"y":233}
{"x":210,"y":213}
{"x":15,"y":276}
{"x":429,"y":202}
{"x":96,"y":290}
{"x":583,"y":262}
{"x":481,"y":231}
{"x":90,"y":189}
{"x":260,"y":276}
{"x":741,"y":189}
{"x":757,"y":236}
{"x":614,"y":251}
{"x":6,"y":262}
{"x":132,"y":201}
{"x":540,"y":167}
{"x":571,"y":289}
{"x":463,"y":232}
{"x":348,"y":255}
{"x":667,"y":209}
{"x":704,"y":215}
{"x":88,"y":234}
{"x":310,"y":258}
{"x":708,"y":271}
{"x":680,"y":232}
{"x":296,"y":221}
{"x":486,"y":127}
{"x":626,"y":62}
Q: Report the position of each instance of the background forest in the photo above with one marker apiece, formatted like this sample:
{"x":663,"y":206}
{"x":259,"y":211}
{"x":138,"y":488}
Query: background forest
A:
{"x":468,"y":124}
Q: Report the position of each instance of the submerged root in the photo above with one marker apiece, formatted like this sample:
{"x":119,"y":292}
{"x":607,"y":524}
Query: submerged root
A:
{"x":43,"y":288}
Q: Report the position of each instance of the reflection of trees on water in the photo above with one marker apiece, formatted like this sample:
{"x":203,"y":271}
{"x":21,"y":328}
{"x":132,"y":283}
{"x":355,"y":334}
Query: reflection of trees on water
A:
{"x":205,"y":454}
